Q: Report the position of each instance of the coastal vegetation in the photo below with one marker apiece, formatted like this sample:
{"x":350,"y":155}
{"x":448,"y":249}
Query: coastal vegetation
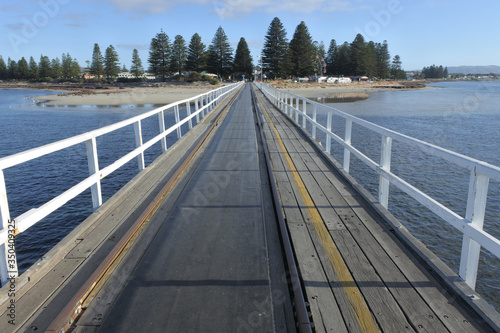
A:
{"x":302,"y":56}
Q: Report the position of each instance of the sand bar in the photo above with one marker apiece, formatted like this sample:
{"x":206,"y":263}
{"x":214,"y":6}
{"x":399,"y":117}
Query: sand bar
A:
{"x":127,"y":95}
{"x":165,"y":93}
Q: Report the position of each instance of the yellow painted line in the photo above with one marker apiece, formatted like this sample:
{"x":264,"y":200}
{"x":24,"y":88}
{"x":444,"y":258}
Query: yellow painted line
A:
{"x":358,"y":305}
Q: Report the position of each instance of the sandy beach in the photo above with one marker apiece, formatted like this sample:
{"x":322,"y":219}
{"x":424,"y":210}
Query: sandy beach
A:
{"x":126,"y":95}
{"x":355,"y":90}
{"x":169,"y":93}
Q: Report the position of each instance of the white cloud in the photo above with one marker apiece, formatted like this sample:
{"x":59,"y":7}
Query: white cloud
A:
{"x":237,"y":8}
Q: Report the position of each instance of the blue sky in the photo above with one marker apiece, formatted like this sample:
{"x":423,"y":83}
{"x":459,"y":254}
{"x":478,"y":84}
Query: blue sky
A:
{"x":423,"y":32}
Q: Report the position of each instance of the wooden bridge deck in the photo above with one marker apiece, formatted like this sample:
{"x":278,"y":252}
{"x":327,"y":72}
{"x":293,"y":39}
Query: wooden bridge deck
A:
{"x":210,"y":259}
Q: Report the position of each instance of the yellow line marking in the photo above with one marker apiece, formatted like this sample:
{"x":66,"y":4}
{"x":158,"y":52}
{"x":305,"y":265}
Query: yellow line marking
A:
{"x":358,"y":305}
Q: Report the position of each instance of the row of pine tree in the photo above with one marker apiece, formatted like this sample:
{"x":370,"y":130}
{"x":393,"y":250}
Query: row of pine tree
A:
{"x":304,"y":57}
{"x":301,"y":56}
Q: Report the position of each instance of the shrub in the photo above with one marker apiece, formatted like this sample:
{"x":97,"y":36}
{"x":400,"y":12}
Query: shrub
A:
{"x":194,"y":77}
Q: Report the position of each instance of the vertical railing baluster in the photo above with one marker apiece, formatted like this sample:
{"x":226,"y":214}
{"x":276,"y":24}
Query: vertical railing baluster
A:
{"x":296,"y":110}
{"x":138,"y":143}
{"x":161,"y":125}
{"x":328,"y":143}
{"x":196,"y":108}
{"x":8,"y":266}
{"x":304,"y":113}
{"x":385,"y":164}
{"x":93,"y":163}
{"x":315,"y":112}
{"x":177,"y":120}
{"x":347,"y":140}
{"x":476,"y":208}
{"x":188,"y":112}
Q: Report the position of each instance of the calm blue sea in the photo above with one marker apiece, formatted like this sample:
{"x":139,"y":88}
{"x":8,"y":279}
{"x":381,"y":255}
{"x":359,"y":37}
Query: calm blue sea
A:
{"x":26,"y":124}
{"x":460,"y":116}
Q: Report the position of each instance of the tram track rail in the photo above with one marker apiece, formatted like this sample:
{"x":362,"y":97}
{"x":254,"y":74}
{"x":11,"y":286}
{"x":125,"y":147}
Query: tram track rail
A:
{"x":68,"y":318}
{"x":304,"y":324}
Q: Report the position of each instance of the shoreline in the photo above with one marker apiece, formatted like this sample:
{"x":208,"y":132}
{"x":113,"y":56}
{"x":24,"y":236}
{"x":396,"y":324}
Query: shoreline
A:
{"x":166,"y":93}
{"x":346,"y":91}
{"x":119,"y":94}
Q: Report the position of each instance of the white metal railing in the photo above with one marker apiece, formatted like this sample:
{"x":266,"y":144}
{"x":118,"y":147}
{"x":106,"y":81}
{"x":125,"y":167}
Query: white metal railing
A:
{"x":471,"y":225}
{"x":202,"y":105}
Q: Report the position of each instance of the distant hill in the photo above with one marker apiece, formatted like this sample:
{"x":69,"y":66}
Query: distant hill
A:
{"x":474,"y":69}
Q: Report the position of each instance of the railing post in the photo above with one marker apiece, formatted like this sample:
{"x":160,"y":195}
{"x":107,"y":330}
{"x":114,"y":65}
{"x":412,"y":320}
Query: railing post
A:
{"x":202,"y":104}
{"x":476,"y":208}
{"x":347,"y":140}
{"x":315,"y":112}
{"x":196,"y":108}
{"x":161,"y":124}
{"x":138,"y":143}
{"x":328,"y":143}
{"x":286,"y":104}
{"x":177,"y":120}
{"x":8,"y":266}
{"x":304,"y":113}
{"x":297,"y":102}
{"x":93,"y":162}
{"x":385,"y":164}
{"x":188,"y":111}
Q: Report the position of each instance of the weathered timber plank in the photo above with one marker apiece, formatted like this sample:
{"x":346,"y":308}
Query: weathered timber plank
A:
{"x":450,"y":316}
{"x":30,"y":302}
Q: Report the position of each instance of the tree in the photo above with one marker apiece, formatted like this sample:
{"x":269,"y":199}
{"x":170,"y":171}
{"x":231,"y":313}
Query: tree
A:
{"x":319,"y":60}
{"x":196,"y":56}
{"x":75,"y":69}
{"x":12,"y":69}
{"x":67,"y":66}
{"x":111,"y":62}
{"x":359,"y":56}
{"x":332,"y":58}
{"x":302,"y":52}
{"x":383,"y":60}
{"x":160,"y":52}
{"x":3,"y":69}
{"x":44,"y":69}
{"x":97,"y":64}
{"x":220,"y":54}
{"x":275,"y":51}
{"x":243,"y":60}
{"x":33,"y":69}
{"x":137,"y":70}
{"x":396,"y":70}
{"x":55,"y":68}
{"x":179,"y":54}
{"x":22,"y":69}
{"x":124,"y":68}
{"x":344,"y":64}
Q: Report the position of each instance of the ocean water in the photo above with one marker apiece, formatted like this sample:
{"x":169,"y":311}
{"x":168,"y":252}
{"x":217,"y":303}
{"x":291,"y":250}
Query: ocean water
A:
{"x":26,"y":124}
{"x":460,"y":116}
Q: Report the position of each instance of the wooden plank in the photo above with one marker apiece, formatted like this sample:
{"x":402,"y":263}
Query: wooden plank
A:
{"x":389,"y":315}
{"x":328,"y":278}
{"x":426,"y":318}
{"x":30,"y":302}
{"x":442,"y":303}
{"x":326,"y":314}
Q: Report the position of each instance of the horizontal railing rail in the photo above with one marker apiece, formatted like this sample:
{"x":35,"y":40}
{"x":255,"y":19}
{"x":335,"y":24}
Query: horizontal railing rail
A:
{"x":203,"y":103}
{"x":470,"y":225}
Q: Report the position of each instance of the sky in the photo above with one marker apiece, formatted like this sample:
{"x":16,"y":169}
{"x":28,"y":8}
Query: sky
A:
{"x":421,"y":32}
